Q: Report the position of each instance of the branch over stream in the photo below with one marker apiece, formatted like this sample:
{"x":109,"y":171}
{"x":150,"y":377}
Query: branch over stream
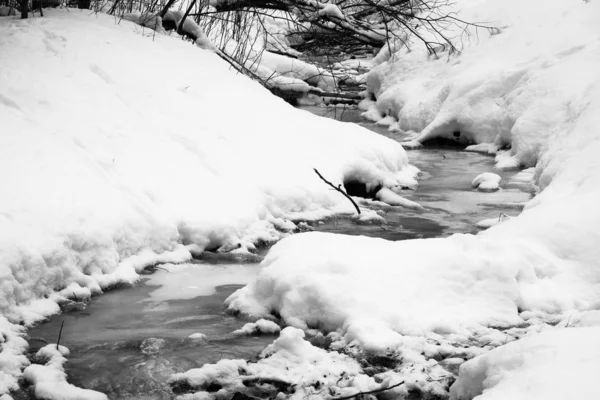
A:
{"x":339,"y":189}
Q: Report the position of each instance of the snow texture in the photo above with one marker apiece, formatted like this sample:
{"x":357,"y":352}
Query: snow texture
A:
{"x":532,"y":88}
{"x":553,"y":365}
{"x":290,"y":361}
{"x":120,"y":151}
{"x":261,"y":326}
{"x":486,"y":182}
{"x":198,"y":336}
{"x":49,"y":380}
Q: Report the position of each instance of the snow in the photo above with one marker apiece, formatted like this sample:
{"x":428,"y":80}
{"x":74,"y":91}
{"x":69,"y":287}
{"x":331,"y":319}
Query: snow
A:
{"x":394,"y":199}
{"x":552,"y":365}
{"x":366,"y":287}
{"x":332,"y":11}
{"x":261,"y":326}
{"x":275,"y":70}
{"x":486,"y":182}
{"x":152,"y":169}
{"x":503,"y":89}
{"x":126,"y":150}
{"x":530,"y":95}
{"x":187,"y":281}
{"x":290,"y":361}
{"x":49,"y":379}
{"x":489,"y":222}
{"x":198,"y":336}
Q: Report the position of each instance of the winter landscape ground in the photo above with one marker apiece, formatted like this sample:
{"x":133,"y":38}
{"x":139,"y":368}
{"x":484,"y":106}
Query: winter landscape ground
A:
{"x":126,"y":151}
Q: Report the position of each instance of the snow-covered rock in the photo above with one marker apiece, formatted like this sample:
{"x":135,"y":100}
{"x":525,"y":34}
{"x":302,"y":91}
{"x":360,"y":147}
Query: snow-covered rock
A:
{"x":262,"y":326}
{"x":197,"y":336}
{"x":486,"y":182}
{"x":200,"y":337}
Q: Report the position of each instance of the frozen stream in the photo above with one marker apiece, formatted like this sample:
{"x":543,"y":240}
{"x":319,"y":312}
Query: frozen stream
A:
{"x":127,"y":342}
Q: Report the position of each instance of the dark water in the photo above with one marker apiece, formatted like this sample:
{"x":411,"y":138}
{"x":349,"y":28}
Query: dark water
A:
{"x":451,"y":205}
{"x":128,"y":342}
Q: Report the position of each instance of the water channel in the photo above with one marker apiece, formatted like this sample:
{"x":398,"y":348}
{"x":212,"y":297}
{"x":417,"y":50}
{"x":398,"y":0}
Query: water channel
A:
{"x":127,"y":342}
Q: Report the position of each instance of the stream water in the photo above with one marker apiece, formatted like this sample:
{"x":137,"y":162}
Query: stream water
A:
{"x":451,"y":205}
{"x":127,"y":342}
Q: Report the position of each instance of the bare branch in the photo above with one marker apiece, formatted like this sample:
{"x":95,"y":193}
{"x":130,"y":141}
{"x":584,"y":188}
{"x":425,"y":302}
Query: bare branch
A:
{"x":339,"y":189}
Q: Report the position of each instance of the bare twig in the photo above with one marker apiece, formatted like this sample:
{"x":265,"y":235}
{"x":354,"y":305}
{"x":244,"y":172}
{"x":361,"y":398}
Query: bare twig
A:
{"x":380,"y":390}
{"x":60,"y":334}
{"x":339,"y":189}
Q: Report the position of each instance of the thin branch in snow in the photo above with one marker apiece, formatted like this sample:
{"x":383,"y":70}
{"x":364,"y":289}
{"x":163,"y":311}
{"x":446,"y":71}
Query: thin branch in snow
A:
{"x":380,"y":390}
{"x":339,"y":189}
{"x":60,"y":333}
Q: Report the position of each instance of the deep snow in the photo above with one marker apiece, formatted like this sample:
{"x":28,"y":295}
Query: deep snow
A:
{"x":149,"y":167}
{"x":121,"y":149}
{"x":533,"y":88}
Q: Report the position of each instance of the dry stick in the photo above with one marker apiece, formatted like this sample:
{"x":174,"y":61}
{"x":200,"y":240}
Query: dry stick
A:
{"x":164,"y":269}
{"x":369,"y":392}
{"x":339,"y":189}
{"x":59,"y":334}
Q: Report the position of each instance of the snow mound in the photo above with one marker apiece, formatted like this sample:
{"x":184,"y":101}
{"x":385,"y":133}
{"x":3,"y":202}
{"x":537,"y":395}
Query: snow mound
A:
{"x":198,"y":336}
{"x":553,"y":365}
{"x":262,"y":326}
{"x":49,"y":380}
{"x":486,"y":182}
{"x":378,"y":292}
{"x":290,"y":364}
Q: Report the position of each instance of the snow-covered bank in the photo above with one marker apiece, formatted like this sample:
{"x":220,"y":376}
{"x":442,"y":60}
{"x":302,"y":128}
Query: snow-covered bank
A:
{"x":520,"y":87}
{"x":120,"y":150}
{"x":554,"y":365}
{"x":533,"y":87}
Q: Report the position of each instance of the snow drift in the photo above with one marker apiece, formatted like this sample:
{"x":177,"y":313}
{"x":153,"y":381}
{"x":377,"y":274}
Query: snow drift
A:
{"x":119,"y":150}
{"x":535,"y":89}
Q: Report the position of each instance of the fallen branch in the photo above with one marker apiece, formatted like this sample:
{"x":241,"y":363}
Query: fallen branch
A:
{"x":341,"y":95}
{"x":339,"y":189}
{"x":369,"y":392}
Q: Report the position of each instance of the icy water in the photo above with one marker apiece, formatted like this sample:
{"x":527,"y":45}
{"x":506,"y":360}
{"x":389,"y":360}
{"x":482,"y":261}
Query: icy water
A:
{"x":451,"y":205}
{"x":127,"y":342}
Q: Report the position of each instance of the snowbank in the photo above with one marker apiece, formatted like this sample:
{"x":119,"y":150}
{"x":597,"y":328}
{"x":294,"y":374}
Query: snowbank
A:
{"x":120,"y":150}
{"x":534,"y":87}
{"x":518,"y":88}
{"x":554,"y":365}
